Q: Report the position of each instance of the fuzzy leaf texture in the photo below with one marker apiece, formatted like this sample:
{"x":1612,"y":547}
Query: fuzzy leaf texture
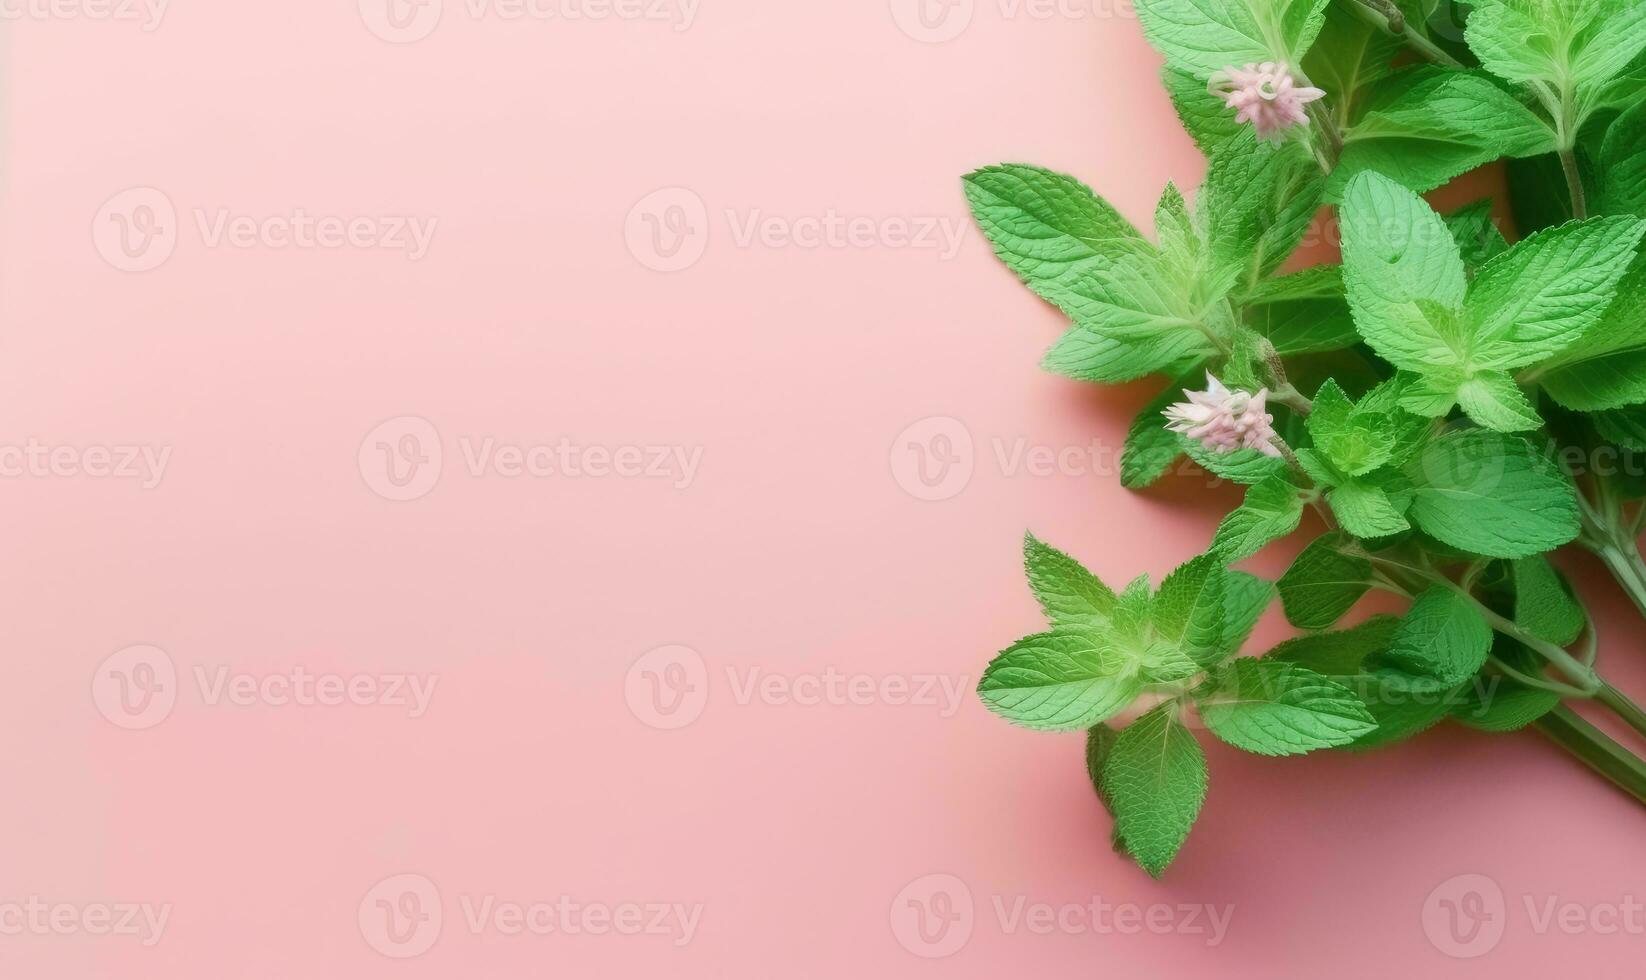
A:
{"x":1155,"y":781}
{"x":1278,"y":708}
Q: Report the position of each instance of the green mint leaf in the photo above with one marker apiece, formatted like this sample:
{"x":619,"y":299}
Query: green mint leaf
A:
{"x":1100,"y":742}
{"x":1623,"y":165}
{"x":1155,"y":780}
{"x":1408,"y":432}
{"x":1150,"y":448}
{"x":1047,"y":227}
{"x":1245,"y":598}
{"x":1355,"y":442}
{"x":1086,"y":355}
{"x":1273,"y":508}
{"x":1319,"y":469}
{"x":1366,"y":511}
{"x":1614,"y":38}
{"x":1245,"y":466}
{"x":1543,"y":604}
{"x":1066,"y":680}
{"x":1432,"y":394}
{"x":1573,"y":46}
{"x":1278,"y":708}
{"x":1492,"y":399}
{"x":1258,"y":201}
{"x":1163,"y":663}
{"x":1340,"y":652}
{"x":1478,"y":237}
{"x":1404,"y":705}
{"x":1540,"y":296}
{"x":1427,"y":125}
{"x":1204,"y":36}
{"x":1323,"y":583}
{"x":1492,"y":495}
{"x":1075,"y":251}
{"x":1132,"y":614}
{"x":1175,"y":229}
{"x":1188,"y":611}
{"x":1305,"y":326}
{"x":1066,"y":591}
{"x":1493,"y":703}
{"x":1208,"y":120}
{"x":1624,"y":426}
{"x":1315,"y":282}
{"x":1349,"y":55}
{"x":1400,"y":266}
{"x":1443,"y":638}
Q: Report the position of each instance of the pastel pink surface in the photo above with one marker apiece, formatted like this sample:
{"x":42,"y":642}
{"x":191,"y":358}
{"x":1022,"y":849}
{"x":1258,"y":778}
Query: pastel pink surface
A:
{"x":794,"y":551}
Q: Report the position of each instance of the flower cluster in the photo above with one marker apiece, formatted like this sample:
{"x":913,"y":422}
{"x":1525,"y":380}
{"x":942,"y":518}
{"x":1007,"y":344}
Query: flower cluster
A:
{"x":1266,"y":96}
{"x":1224,"y":420}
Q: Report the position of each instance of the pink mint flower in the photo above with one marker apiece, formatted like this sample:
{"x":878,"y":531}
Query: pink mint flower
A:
{"x":1266,"y":96}
{"x":1224,"y":420}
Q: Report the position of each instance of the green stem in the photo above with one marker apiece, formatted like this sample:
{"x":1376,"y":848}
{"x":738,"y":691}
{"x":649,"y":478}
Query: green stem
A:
{"x":1596,"y":750}
{"x":1621,"y":706}
{"x":1626,"y":566}
{"x":1585,"y":681}
{"x":1574,"y":183}
{"x":1385,"y":14}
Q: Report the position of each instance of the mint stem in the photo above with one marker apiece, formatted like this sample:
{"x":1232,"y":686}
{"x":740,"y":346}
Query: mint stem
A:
{"x":1621,"y":706}
{"x":1595,"y":749}
{"x":1385,"y":14}
{"x":1574,"y":183}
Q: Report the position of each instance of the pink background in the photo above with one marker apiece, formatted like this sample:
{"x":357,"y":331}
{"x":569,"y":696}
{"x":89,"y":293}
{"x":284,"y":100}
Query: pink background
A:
{"x":537,"y":771}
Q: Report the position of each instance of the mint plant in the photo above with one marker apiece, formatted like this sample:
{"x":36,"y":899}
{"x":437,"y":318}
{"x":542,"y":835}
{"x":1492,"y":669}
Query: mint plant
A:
{"x":1450,"y":402}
